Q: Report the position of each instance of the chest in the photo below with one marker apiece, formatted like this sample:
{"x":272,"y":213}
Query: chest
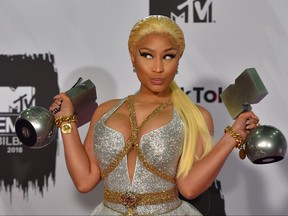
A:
{"x":160,"y":146}
{"x":121,"y":122}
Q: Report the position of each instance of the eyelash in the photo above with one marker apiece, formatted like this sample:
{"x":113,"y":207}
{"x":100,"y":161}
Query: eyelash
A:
{"x":145,"y":54}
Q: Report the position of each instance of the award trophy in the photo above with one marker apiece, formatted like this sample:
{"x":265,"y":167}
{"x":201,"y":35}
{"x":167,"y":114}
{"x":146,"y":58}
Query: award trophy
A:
{"x":35,"y":126}
{"x":265,"y":143}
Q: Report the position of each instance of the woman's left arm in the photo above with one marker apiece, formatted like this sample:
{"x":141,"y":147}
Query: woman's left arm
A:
{"x":204,"y":171}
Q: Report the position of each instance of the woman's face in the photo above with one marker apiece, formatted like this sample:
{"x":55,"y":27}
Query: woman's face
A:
{"x":156,"y":58}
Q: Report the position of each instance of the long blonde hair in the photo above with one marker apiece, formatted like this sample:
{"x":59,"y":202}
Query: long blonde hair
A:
{"x":194,"y":122}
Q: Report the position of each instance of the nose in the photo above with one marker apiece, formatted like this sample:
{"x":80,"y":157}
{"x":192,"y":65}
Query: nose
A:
{"x":158,"y":66}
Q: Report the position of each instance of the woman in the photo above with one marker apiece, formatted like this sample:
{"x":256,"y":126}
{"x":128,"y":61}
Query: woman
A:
{"x":148,"y":146}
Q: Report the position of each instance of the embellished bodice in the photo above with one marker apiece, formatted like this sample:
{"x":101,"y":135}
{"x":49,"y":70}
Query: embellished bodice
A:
{"x":156,"y":163}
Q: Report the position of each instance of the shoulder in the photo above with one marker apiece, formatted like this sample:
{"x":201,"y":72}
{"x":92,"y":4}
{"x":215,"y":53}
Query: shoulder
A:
{"x":104,"y":108}
{"x":108,"y":104}
{"x":208,"y":118}
{"x":204,"y":111}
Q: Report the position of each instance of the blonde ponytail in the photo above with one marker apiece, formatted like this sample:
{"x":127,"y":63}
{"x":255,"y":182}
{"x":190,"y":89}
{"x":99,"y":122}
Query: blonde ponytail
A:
{"x":194,"y":126}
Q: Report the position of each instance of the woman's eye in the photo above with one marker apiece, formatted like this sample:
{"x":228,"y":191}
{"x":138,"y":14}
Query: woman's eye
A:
{"x":146,"y":55}
{"x":169,"y":56}
{"x":150,"y":56}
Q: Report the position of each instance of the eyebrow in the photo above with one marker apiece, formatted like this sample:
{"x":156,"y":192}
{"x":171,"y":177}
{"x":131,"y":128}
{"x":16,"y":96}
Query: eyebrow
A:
{"x":165,"y":50}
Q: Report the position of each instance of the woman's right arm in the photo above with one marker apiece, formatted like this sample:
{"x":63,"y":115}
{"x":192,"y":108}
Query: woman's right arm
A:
{"x":80,"y":159}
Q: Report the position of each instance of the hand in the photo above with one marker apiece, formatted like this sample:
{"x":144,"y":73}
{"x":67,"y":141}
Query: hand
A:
{"x":62,"y":105}
{"x":244,"y":123}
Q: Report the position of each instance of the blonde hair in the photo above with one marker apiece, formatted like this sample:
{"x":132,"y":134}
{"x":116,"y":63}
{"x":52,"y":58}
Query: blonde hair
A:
{"x":194,"y":125}
{"x":155,"y":24}
{"x":194,"y":122}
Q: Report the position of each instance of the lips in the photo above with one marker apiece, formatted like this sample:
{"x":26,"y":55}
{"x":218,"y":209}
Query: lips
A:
{"x":157,"y":81}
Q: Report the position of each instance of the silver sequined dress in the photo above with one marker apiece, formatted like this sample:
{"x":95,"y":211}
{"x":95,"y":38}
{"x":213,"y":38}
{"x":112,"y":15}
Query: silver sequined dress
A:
{"x":161,"y":147}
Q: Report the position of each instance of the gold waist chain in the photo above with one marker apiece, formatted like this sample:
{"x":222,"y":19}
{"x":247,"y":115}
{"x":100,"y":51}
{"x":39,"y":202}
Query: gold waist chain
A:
{"x":131,"y":200}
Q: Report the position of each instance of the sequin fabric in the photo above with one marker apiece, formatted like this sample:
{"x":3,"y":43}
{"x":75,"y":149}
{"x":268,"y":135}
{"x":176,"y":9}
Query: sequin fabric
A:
{"x":161,"y":148}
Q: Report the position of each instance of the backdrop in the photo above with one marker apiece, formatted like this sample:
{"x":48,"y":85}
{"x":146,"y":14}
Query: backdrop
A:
{"x":45,"y":46}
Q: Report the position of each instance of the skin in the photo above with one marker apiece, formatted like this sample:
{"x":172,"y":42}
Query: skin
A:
{"x":155,"y":58}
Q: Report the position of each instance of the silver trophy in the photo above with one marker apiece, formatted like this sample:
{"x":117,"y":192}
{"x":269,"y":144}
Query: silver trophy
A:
{"x":35,"y":126}
{"x":265,"y":143}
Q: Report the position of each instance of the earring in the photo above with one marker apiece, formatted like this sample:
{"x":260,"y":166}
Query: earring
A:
{"x":134,"y":69}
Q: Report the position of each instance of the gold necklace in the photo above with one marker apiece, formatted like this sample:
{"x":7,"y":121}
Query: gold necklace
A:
{"x":134,"y":127}
{"x":133,"y":141}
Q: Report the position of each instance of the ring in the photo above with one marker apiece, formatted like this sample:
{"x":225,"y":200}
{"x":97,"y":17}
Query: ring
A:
{"x":57,"y":109}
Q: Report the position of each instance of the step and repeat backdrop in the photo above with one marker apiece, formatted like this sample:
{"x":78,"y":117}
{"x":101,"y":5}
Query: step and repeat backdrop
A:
{"x":45,"y":46}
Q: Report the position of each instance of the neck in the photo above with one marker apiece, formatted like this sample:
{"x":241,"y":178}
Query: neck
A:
{"x":151,"y":98}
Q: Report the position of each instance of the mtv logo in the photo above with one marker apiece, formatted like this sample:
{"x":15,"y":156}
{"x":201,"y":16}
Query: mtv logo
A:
{"x":184,"y":11}
{"x":16,"y":99}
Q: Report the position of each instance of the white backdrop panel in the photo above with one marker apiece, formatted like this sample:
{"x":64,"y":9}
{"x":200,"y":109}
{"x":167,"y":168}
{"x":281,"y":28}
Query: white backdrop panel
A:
{"x":89,"y":39}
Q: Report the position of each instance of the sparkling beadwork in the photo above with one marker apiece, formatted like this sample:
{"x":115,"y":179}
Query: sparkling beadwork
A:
{"x":133,"y":142}
{"x":161,"y":148}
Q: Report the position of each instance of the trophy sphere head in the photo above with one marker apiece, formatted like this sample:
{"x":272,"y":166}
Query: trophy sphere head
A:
{"x":35,"y":127}
{"x":265,"y":144}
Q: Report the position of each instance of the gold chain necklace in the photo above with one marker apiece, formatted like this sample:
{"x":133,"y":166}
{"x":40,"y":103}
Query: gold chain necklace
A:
{"x":133,"y":140}
{"x":134,"y":127}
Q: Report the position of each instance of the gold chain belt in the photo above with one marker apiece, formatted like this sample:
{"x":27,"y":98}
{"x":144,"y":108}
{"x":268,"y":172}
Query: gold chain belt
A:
{"x":131,"y":200}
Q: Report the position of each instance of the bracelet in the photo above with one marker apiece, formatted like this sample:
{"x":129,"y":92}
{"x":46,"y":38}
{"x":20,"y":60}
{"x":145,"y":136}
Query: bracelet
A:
{"x":239,"y":140}
{"x":68,"y":119}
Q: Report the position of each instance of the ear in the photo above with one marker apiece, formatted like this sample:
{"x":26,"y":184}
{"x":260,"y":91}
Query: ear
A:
{"x":132,"y":57}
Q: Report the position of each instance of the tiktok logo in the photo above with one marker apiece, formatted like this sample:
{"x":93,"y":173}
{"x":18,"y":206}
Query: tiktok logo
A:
{"x":188,"y":11}
{"x":202,"y":94}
